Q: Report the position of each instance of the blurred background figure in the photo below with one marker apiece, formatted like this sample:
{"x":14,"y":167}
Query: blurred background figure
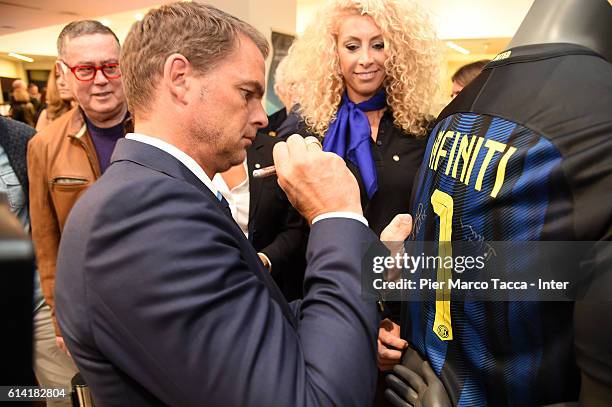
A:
{"x":37,"y":100}
{"x":59,"y":100}
{"x":34,"y":93}
{"x":278,"y":117}
{"x":17,"y":83}
{"x":284,"y":122}
{"x":466,"y":74}
{"x":22,"y":109}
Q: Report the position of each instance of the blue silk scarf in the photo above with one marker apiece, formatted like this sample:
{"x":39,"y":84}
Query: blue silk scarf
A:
{"x":349,"y":136}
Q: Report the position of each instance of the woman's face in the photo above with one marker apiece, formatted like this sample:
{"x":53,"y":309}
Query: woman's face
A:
{"x":62,"y":88}
{"x":361,"y":52}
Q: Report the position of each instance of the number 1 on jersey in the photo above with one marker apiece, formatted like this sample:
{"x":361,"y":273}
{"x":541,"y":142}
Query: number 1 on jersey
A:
{"x":443,"y":207}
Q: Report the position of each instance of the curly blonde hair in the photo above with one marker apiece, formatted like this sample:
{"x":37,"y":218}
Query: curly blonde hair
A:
{"x":411,"y":68}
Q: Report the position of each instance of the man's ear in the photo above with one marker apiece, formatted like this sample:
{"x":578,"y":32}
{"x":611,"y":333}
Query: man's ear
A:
{"x":177,"y":77}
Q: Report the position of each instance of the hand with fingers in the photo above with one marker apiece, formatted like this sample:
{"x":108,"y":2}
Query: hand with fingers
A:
{"x":59,"y":341}
{"x":315,"y":182}
{"x":415,"y":384}
{"x":390,"y":345}
{"x":393,"y":237}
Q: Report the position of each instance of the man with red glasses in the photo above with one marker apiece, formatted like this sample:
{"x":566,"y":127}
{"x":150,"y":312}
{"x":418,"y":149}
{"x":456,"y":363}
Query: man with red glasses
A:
{"x":67,"y":157}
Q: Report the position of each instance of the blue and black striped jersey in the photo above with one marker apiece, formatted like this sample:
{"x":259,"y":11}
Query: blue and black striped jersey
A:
{"x":524,"y":153}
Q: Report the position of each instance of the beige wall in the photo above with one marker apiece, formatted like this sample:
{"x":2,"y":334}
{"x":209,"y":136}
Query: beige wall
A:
{"x":265,"y":15}
{"x":11,"y":69}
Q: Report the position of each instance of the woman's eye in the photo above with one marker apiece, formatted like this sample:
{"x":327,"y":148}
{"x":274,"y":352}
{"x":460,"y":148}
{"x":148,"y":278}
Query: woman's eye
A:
{"x":352,"y":47}
{"x":379,"y":45}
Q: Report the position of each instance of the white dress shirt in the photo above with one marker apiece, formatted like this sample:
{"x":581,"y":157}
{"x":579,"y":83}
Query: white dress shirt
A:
{"x":238,"y":199}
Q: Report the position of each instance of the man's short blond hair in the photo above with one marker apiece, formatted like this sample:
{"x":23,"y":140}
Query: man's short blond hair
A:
{"x":201,"y":33}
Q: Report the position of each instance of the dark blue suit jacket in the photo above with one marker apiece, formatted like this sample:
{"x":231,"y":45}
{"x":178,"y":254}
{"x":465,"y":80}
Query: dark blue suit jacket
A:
{"x":162,"y":300}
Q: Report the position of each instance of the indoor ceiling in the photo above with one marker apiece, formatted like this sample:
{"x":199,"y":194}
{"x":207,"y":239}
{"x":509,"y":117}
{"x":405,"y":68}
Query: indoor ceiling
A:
{"x":31,"y":26}
{"x":22,"y":15}
{"x":452,"y":15}
{"x":479,"y":48}
{"x":39,"y":58}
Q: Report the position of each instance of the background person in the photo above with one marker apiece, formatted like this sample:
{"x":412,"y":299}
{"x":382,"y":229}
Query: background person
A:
{"x":17,"y":83}
{"x":37,"y":99}
{"x":367,"y":80}
{"x":466,"y":74}
{"x":34,"y":93}
{"x":70,"y":154}
{"x":22,"y":109}
{"x":285,"y":121}
{"x":59,"y":99}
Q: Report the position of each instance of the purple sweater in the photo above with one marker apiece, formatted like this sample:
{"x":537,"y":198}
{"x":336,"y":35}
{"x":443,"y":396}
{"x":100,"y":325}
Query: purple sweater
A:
{"x":104,"y":140}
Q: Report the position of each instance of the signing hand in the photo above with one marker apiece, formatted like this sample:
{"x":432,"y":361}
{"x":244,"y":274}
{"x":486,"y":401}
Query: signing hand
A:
{"x":315,"y":182}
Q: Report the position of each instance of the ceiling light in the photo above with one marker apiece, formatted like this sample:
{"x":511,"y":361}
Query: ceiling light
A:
{"x":105,"y":22}
{"x":19,"y":56}
{"x":139,"y":16}
{"x":457,"y":48}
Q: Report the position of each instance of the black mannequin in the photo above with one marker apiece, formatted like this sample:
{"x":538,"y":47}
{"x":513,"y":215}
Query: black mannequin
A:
{"x":587,"y":23}
{"x":583,"y":22}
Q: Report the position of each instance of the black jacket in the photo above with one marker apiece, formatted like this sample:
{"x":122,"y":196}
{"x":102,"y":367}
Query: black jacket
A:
{"x":14,"y":137}
{"x":275,"y":227}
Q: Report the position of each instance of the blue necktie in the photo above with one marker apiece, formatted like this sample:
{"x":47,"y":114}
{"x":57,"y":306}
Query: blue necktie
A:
{"x":224,"y":203}
{"x":352,"y":126}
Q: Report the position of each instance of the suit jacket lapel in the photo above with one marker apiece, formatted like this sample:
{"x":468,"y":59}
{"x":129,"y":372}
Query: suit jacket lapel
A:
{"x":156,"y":159}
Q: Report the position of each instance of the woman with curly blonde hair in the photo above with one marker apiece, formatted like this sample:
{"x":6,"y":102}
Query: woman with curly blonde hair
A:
{"x":367,"y":79}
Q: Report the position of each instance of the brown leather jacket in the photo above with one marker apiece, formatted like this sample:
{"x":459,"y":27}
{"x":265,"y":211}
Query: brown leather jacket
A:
{"x":62,"y":164}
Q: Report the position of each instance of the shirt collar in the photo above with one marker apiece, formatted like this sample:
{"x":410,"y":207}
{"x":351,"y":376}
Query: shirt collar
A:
{"x":175,"y":152}
{"x":221,"y":185}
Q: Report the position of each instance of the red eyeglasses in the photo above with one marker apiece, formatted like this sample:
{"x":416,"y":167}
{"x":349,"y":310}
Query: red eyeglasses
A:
{"x":88,"y":72}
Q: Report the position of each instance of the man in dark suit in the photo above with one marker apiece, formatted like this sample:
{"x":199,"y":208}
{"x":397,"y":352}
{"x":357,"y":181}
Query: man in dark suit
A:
{"x":161,"y":298}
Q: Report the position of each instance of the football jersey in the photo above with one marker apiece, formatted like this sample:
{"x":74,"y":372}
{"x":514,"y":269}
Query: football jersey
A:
{"x":524,"y":153}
